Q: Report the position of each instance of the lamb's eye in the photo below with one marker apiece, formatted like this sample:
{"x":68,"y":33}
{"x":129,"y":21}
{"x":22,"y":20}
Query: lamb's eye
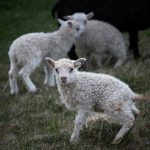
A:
{"x":71,"y":69}
{"x":56,"y":70}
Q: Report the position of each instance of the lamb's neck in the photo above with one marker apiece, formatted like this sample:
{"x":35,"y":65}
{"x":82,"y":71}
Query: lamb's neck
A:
{"x":67,"y":37}
{"x":65,"y":91}
{"x":64,"y":87}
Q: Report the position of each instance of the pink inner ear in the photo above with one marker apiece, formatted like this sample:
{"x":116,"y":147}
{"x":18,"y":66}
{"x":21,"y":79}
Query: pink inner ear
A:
{"x":51,"y":62}
{"x":77,"y":64}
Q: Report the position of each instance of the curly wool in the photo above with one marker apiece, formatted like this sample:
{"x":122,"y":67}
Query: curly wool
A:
{"x":98,"y":92}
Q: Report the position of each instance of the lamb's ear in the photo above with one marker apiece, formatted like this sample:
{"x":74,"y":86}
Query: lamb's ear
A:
{"x":50,"y":62}
{"x":68,"y":17}
{"x":80,"y":62}
{"x":60,"y":21}
{"x":90,"y":15}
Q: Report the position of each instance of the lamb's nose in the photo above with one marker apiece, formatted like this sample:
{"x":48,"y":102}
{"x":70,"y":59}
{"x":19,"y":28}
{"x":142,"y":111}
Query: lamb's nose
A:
{"x":63,"y":79}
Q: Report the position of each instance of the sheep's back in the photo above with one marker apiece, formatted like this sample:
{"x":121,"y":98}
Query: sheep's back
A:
{"x":100,"y":36}
{"x":103,"y":87}
{"x":28,"y":46}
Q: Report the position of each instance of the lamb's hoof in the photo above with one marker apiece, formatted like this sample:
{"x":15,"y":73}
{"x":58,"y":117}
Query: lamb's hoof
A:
{"x":116,"y":141}
{"x":33,"y":90}
{"x":73,"y":142}
{"x":74,"y":139}
{"x":14,"y":92}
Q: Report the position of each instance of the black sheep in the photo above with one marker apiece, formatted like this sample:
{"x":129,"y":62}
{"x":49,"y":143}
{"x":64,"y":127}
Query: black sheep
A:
{"x":127,"y":15}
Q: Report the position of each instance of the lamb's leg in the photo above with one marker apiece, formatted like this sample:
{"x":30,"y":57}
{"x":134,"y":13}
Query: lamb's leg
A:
{"x":108,"y":60}
{"x":119,"y":62}
{"x":98,"y":58}
{"x":88,"y":56}
{"x":49,"y":76}
{"x":52,"y":79}
{"x":128,"y":123}
{"x":134,"y":43}
{"x":46,"y":74}
{"x":121,"y":57}
{"x":25,"y":73}
{"x":79,"y":122}
{"x":13,"y":72}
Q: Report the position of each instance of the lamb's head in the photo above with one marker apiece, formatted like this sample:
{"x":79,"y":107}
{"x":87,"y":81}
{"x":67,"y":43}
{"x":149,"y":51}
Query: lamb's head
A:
{"x":66,"y":69}
{"x":82,"y":18}
{"x":72,"y":26}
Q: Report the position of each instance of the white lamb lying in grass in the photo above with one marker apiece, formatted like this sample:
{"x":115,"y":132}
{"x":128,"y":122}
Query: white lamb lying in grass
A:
{"x":86,"y":92}
{"x":99,"y":37}
{"x":29,"y":51}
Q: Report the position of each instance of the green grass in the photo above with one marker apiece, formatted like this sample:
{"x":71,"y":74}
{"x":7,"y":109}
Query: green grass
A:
{"x":19,"y":17}
{"x":39,"y":121}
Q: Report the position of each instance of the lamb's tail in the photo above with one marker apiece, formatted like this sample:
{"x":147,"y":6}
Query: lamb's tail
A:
{"x":140,"y":97}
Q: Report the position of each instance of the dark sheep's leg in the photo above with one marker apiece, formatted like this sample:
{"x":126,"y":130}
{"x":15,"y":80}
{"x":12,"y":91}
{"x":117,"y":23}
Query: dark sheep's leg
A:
{"x":134,"y":43}
{"x":72,"y":54}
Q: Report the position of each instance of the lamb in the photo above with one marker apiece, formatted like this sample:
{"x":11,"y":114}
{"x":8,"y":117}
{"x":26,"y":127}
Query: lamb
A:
{"x":28,"y":51}
{"x":126,"y":15}
{"x":99,"y":37}
{"x":86,"y":93}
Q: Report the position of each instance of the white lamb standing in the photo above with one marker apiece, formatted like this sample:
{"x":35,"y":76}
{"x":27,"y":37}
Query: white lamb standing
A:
{"x":99,"y":37}
{"x":28,"y":51}
{"x":86,"y":93}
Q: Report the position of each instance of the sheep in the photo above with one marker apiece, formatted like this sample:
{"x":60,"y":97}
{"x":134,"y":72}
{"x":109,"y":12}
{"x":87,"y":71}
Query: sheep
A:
{"x":126,"y":15}
{"x":86,"y":93}
{"x":99,"y":37}
{"x":28,"y":51}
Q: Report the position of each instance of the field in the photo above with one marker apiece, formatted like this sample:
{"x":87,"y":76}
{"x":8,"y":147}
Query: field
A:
{"x":39,"y":121}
